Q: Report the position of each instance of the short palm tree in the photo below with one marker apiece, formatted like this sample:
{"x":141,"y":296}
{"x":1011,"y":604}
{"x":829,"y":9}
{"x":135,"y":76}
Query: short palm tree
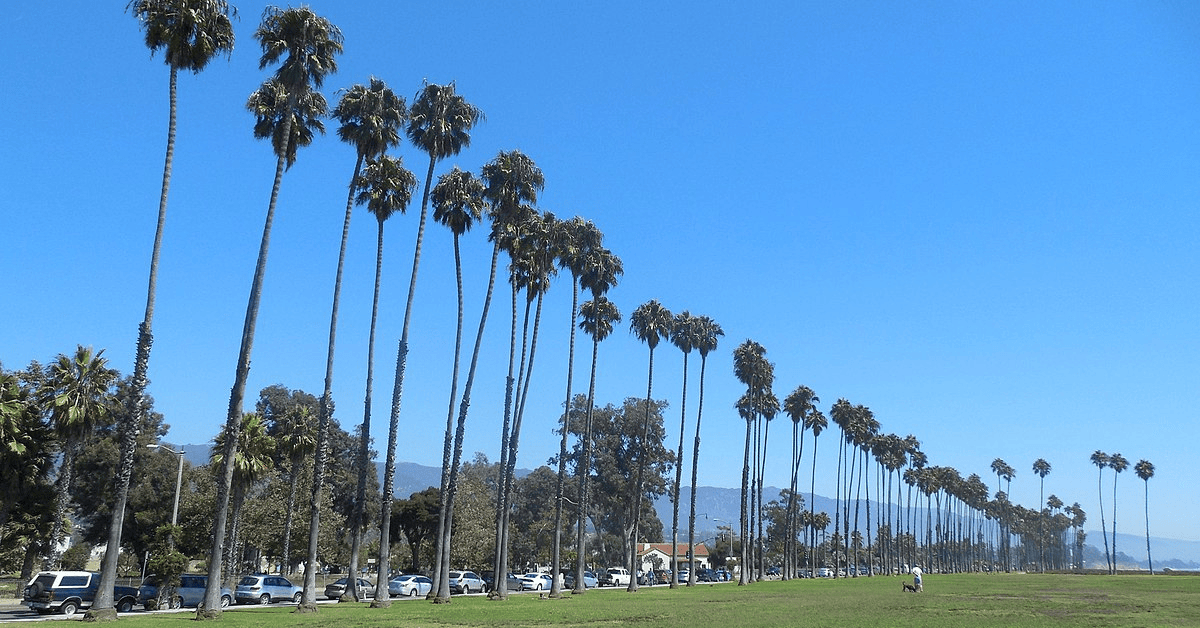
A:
{"x":650,"y":322}
{"x":1145,"y":471}
{"x":251,"y":462}
{"x":307,"y":45}
{"x":79,"y":395}
{"x":296,"y":442}
{"x":1100,"y":459}
{"x":708,"y":334}
{"x":190,"y":33}
{"x":385,"y":187}
{"x":370,"y":119}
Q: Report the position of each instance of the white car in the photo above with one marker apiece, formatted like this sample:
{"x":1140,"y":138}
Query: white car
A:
{"x":535,"y":582}
{"x":410,"y":585}
{"x":466,"y":582}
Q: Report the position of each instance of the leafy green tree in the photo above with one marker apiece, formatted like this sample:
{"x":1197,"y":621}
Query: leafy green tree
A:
{"x":707,"y":335}
{"x":307,"y":46}
{"x":650,"y":322}
{"x":26,"y":454}
{"x":1145,"y":471}
{"x":416,"y":518}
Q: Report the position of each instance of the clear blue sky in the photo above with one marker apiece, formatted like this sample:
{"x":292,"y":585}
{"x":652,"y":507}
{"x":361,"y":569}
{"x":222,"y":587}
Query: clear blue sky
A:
{"x":977,"y":219}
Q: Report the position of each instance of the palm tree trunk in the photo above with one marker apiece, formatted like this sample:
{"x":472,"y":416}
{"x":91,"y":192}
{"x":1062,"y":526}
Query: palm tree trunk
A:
{"x":695,"y":471}
{"x":555,"y":588}
{"x":108,"y":572}
{"x":637,"y":485}
{"x":1113,"y":568}
{"x":389,"y":468}
{"x":675,"y":493}
{"x":812,"y":506}
{"x":287,"y":521}
{"x":583,"y":472}
{"x":501,"y":565}
{"x":1103,"y":527}
{"x":1147,"y":502}
{"x":743,"y":525}
{"x":233,"y":418}
{"x":325,"y":411}
{"x":441,"y":592}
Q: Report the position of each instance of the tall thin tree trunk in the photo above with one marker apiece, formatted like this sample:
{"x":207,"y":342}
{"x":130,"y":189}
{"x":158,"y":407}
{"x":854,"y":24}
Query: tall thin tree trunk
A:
{"x":501,"y":566}
{"x":233,"y":419}
{"x":555,"y":587}
{"x":637,"y":485}
{"x":583,"y":472}
{"x":695,"y":470}
{"x":675,"y":493}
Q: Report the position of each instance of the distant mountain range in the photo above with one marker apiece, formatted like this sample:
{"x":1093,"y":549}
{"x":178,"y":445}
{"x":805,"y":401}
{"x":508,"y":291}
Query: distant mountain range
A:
{"x":718,"y":507}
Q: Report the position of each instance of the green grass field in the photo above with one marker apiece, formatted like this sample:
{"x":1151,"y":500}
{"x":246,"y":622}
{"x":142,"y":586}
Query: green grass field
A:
{"x":975,"y":601}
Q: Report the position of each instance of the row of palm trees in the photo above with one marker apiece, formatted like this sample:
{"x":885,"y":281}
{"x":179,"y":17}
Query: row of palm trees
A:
{"x":896,"y":459}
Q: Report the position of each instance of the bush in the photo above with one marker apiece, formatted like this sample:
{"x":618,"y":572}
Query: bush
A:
{"x":76,"y":558}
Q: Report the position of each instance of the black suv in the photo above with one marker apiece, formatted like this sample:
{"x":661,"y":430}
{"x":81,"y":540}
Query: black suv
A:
{"x":69,"y":591}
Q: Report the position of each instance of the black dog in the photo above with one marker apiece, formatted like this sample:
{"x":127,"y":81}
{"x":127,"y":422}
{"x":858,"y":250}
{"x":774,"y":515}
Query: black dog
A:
{"x":908,"y":587}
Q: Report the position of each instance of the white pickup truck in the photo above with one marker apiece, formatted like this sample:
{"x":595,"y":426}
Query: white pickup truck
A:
{"x":616,"y":577}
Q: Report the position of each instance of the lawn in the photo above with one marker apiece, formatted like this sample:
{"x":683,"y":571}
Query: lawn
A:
{"x":976,"y":601}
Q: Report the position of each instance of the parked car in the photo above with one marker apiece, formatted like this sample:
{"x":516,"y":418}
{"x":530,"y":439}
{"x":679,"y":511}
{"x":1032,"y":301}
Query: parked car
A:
{"x":337,"y":588}
{"x":411,"y":585}
{"x":69,"y":591}
{"x":535,"y":582}
{"x":466,"y":582}
{"x":513,"y":582}
{"x":188,"y":592}
{"x":683,"y":576}
{"x":615,"y":577}
{"x":706,"y":575}
{"x":589,"y":580}
{"x":262,"y":589}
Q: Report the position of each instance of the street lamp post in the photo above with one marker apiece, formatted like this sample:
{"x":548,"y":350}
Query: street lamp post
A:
{"x":178,"y":485}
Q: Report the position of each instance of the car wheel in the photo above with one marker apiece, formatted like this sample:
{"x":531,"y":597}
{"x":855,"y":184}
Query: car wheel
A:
{"x":296,"y":598}
{"x":412,"y":592}
{"x":125,"y":605}
{"x":265,"y":598}
{"x":175,"y":602}
{"x":539,"y":586}
{"x":226,"y":601}
{"x":69,"y":608}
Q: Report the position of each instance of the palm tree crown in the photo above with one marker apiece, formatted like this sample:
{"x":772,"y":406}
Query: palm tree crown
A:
{"x":440,"y":121}
{"x":370,"y":118}
{"x":310,"y":42}
{"x":189,"y":32}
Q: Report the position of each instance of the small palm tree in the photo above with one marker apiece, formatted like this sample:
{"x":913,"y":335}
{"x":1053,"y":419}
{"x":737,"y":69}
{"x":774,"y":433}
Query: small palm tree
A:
{"x":708,"y":333}
{"x":79,"y":395}
{"x":1100,"y":459}
{"x":297,"y":441}
{"x":650,"y":322}
{"x":1145,"y":471}
{"x":252,"y":461}
{"x":307,"y":45}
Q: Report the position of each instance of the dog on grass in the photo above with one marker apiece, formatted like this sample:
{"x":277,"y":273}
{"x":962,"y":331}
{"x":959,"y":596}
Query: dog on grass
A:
{"x":908,"y":587}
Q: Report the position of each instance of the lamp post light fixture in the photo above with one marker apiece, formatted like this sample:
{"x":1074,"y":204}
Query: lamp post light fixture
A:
{"x":178,"y":483}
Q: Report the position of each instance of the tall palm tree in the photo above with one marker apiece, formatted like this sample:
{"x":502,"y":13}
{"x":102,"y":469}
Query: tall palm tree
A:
{"x":1100,"y":459}
{"x":1041,"y":468}
{"x":297,"y":441}
{"x":252,"y":461}
{"x":601,"y":268}
{"x":650,"y":322}
{"x":385,"y":187}
{"x":816,"y":422}
{"x":843,"y":415}
{"x":1145,"y":471}
{"x":752,"y":369}
{"x":684,"y":335}
{"x":457,"y":204}
{"x":768,"y":408}
{"x":1117,"y":463}
{"x":577,"y":239}
{"x":308,"y":46}
{"x":370,"y":119}
{"x":439,"y":123}
{"x":190,"y":33}
{"x":798,"y":405}
{"x":511,"y":182}
{"x":708,"y":333}
{"x":78,"y":392}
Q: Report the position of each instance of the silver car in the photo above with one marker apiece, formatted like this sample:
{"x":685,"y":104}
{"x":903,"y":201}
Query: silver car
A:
{"x":411,"y":585}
